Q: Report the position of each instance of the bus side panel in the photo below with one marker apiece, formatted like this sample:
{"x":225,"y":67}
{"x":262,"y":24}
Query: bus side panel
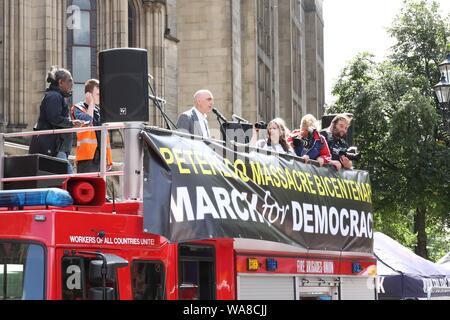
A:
{"x":172,"y":272}
{"x":225,"y":270}
{"x":51,"y":275}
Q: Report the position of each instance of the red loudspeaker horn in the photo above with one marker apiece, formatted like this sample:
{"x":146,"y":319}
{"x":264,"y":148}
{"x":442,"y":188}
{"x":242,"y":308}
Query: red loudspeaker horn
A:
{"x":89,"y":192}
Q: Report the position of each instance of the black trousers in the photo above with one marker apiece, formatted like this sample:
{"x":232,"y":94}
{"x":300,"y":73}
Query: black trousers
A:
{"x":87,"y":166}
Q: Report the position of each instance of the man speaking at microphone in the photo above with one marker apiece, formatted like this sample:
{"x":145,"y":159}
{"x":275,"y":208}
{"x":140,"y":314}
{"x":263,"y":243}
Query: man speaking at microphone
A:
{"x":194,"y":121}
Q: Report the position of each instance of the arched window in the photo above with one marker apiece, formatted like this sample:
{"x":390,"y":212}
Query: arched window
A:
{"x":82,"y":45}
{"x":131,"y":24}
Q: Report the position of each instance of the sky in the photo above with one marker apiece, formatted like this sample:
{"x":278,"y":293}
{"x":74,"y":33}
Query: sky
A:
{"x":353,"y":26}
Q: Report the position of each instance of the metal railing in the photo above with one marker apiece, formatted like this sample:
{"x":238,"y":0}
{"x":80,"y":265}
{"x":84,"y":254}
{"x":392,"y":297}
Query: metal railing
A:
{"x":233,"y":144}
{"x":132,"y":163}
{"x":103,"y":172}
{"x":441,"y":293}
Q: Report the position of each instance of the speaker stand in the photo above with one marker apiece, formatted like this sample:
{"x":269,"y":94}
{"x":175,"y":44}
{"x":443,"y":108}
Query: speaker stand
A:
{"x":157,"y":102}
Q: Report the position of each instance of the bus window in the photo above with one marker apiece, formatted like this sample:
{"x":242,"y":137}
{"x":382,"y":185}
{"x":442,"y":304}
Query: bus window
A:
{"x":197,"y":272}
{"x":147,"y":280}
{"x":76,"y":281}
{"x":22,"y":271}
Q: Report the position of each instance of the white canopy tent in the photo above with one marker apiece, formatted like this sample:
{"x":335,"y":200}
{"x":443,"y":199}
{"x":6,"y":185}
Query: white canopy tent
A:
{"x":445,"y":262}
{"x":404,"y":275}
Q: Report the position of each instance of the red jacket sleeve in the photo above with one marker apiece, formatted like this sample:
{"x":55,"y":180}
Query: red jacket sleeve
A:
{"x":325,"y":150}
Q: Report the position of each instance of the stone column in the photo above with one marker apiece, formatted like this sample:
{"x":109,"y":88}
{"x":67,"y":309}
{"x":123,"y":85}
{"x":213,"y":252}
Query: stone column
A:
{"x":314,"y":57}
{"x":5,"y":93}
{"x":276,"y":64}
{"x":155,"y":25}
{"x":122,"y":23}
{"x":21,"y":56}
{"x":236,"y":59}
{"x":112,"y":24}
{"x":2,"y":59}
{"x":16,"y":82}
{"x":171,"y":43}
{"x":19,"y":120}
{"x":55,"y":33}
{"x":249,"y":60}
{"x":285,"y":61}
{"x":303,"y":61}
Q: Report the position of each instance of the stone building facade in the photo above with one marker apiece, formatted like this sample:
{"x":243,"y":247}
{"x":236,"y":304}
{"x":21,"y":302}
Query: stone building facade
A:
{"x":260,"y":58}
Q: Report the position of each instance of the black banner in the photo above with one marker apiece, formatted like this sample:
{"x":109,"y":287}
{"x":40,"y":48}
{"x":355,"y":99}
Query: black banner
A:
{"x":403,"y":286}
{"x":199,"y":189}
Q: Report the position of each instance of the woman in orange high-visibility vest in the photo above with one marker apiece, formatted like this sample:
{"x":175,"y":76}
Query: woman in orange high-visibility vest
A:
{"x":88,"y":143}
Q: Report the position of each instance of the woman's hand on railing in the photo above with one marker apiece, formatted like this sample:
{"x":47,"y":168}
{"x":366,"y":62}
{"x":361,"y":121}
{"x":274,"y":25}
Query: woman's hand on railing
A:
{"x":77,"y":123}
{"x":306,"y":158}
{"x":254,"y":139}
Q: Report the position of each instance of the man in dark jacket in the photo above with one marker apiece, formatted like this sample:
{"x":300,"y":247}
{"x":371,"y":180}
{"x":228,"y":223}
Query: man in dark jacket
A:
{"x":335,"y":135}
{"x":54,"y":114}
{"x":194,"y":121}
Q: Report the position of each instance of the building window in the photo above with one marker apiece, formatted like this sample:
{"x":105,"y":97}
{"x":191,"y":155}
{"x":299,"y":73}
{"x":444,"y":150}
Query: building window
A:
{"x":131,"y":24}
{"x":82,"y":47}
{"x":265,"y":27}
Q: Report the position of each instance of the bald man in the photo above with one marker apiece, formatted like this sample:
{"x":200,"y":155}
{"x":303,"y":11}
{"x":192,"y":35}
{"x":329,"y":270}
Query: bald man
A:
{"x":194,"y":121}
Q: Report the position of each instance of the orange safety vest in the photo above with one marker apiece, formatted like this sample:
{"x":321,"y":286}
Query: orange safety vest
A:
{"x":87,"y":144}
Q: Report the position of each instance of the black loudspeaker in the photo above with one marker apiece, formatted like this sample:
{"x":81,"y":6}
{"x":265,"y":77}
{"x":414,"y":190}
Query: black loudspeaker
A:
{"x":326,"y":122}
{"x":33,"y":165}
{"x":124,"y":85}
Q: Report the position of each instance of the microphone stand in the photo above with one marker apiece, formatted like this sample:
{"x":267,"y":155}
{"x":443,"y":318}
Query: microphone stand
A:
{"x":157,"y":102}
{"x":223,"y":130}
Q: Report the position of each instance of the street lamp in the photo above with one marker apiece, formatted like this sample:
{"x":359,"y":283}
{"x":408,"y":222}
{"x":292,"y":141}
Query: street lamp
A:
{"x":442,"y":90}
{"x":444,"y":67}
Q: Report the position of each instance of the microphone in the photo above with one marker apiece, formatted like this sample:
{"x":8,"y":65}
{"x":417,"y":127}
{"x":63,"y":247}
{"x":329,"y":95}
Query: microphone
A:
{"x":239,"y":119}
{"x":219,"y":115}
{"x":157,"y":99}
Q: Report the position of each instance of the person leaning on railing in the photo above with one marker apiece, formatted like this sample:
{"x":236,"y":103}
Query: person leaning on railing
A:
{"x":308,"y":143}
{"x":335,"y":135}
{"x":277,"y":134}
{"x":54,"y":114}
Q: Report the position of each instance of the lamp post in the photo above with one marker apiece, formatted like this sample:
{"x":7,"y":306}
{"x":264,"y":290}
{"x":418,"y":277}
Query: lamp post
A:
{"x":444,"y":67}
{"x":442,"y":90}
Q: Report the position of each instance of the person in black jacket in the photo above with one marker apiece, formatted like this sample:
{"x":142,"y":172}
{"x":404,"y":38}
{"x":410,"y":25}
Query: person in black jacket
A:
{"x":54,"y":114}
{"x":335,"y":135}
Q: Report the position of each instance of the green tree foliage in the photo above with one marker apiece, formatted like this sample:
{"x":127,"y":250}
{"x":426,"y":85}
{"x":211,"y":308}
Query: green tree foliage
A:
{"x":421,"y":35}
{"x":397,"y":129}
